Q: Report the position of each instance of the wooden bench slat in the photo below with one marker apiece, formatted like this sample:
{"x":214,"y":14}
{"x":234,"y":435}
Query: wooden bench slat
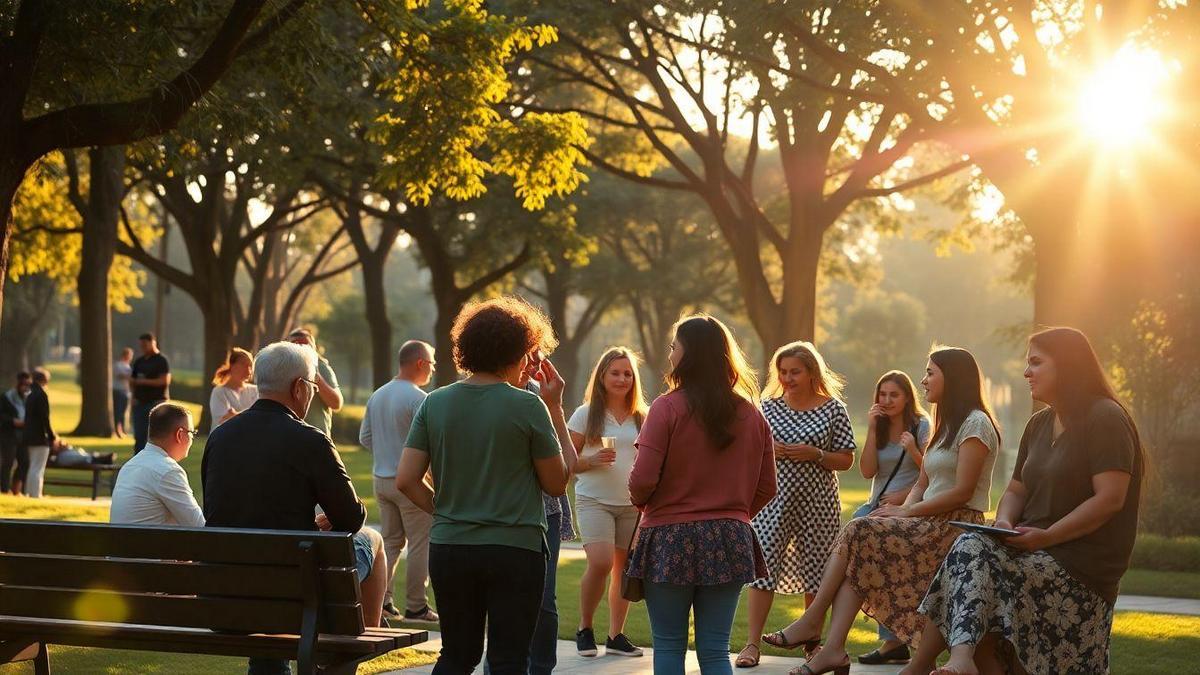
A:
{"x":203,"y":544}
{"x":231,"y":614}
{"x":338,"y":585}
{"x":199,"y":641}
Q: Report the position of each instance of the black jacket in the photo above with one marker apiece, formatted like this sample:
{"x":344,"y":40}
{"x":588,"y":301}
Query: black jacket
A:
{"x":266,"y":468}
{"x":37,"y":418}
{"x":8,"y":414}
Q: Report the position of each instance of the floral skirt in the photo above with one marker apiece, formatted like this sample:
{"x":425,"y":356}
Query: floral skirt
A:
{"x":890,"y":562}
{"x":697,"y":553}
{"x":1050,"y":622}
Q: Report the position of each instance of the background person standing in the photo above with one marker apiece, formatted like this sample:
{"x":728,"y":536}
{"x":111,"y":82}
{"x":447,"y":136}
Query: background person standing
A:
{"x":39,"y":436}
{"x":385,"y":426}
{"x":122,"y":371}
{"x":329,"y":396}
{"x":150,"y":379}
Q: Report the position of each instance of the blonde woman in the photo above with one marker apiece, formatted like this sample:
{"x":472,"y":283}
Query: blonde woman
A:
{"x":813,"y":440}
{"x":232,"y":392}
{"x":604,"y":430}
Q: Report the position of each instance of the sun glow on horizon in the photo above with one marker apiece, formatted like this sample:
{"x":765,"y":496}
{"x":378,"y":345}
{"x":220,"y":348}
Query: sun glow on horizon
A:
{"x":1120,"y":102}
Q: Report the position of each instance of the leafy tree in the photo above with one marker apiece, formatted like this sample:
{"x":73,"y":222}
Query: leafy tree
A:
{"x":665,"y":80}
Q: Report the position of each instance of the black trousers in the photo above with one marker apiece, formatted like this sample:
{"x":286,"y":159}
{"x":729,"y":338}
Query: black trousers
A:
{"x":486,"y":587}
{"x":13,"y":454}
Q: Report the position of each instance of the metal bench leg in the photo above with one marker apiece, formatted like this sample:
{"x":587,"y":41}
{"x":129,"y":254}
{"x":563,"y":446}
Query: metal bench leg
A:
{"x":95,"y":484}
{"x":41,"y":662}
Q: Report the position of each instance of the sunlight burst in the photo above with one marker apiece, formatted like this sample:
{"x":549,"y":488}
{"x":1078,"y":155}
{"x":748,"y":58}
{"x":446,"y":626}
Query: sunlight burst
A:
{"x":1119,"y":102}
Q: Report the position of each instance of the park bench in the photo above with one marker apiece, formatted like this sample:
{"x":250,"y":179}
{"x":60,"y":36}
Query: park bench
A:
{"x":102,"y":474}
{"x":232,"y":592}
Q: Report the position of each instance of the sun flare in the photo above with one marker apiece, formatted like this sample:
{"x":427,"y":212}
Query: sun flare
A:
{"x":1119,"y":103}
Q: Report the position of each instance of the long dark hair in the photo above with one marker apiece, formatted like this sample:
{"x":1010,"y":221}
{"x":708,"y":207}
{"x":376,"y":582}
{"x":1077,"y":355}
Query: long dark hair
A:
{"x":713,"y":375}
{"x":962,"y":393}
{"x":912,"y":407}
{"x":1079,"y":378}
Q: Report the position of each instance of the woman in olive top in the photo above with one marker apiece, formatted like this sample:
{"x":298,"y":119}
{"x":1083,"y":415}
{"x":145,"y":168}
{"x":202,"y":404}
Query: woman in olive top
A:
{"x":1048,"y":592}
{"x":493,"y":447}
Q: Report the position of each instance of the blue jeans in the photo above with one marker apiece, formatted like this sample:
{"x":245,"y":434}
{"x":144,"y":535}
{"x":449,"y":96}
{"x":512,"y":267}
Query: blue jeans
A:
{"x":884,"y":634}
{"x":120,"y":407}
{"x":543,"y":650}
{"x":669,"y":606}
{"x":140,"y":416}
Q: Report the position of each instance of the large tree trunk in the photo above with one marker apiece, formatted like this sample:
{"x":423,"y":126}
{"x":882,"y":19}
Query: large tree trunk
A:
{"x":27,"y":313}
{"x":219,"y":335}
{"x":378,"y":322}
{"x":12,"y":171}
{"x":449,"y":303}
{"x":107,"y":169}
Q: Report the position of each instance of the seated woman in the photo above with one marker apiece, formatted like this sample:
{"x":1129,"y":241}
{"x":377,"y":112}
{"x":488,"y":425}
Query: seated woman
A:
{"x":493,"y":447}
{"x":882,"y":564}
{"x":1074,"y":494}
{"x":891,"y":458}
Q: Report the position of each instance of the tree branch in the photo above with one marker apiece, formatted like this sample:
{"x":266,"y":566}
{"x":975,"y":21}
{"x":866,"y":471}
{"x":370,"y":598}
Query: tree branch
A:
{"x":947,"y":170}
{"x":499,"y":273}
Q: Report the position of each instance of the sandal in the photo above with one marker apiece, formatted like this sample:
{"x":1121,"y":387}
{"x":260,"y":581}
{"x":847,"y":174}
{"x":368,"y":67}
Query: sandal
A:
{"x":779,"y":640}
{"x":744,"y":660}
{"x":842,"y":669}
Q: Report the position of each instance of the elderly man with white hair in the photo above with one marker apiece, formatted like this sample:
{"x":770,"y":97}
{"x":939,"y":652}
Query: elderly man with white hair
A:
{"x":267,"y":468}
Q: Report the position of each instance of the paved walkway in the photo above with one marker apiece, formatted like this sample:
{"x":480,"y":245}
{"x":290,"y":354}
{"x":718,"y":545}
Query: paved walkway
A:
{"x":570,"y":662}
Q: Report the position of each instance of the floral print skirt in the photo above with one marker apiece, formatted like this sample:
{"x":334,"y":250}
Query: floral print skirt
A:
{"x":697,"y":553}
{"x":890,"y":562}
{"x":1050,"y":622}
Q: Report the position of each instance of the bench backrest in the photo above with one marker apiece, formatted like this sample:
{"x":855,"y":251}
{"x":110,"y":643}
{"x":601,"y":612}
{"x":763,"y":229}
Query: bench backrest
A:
{"x":254,"y":581}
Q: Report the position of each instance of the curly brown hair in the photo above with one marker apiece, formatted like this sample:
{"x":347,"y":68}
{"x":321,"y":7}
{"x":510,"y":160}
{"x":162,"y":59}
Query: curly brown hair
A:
{"x":492,"y":335}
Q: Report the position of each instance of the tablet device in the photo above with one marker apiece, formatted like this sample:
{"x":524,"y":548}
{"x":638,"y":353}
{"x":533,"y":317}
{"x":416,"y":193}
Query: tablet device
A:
{"x":985,"y":529}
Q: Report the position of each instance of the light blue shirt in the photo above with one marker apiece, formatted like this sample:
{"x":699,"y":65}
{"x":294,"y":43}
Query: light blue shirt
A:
{"x":384,"y":430}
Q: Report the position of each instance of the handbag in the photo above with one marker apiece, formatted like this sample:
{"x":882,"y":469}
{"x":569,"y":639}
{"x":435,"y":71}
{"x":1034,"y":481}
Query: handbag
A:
{"x":632,"y":588}
{"x":903,"y":456}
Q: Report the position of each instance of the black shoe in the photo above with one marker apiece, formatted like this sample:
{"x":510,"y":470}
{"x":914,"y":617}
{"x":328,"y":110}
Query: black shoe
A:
{"x":621,"y":646}
{"x":390,"y":611}
{"x":897,"y":655}
{"x":585,"y":642}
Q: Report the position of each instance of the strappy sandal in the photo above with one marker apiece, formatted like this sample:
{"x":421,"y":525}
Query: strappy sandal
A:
{"x":842,"y":669}
{"x":745,"y":661}
{"x":779,"y":640}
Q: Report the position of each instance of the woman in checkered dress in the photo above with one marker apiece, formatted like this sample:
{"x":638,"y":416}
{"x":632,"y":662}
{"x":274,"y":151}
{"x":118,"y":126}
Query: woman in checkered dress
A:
{"x":813,"y":441}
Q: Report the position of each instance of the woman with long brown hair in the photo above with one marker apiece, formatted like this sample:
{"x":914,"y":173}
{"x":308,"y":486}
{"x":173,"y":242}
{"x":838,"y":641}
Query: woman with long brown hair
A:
{"x":897,"y":436}
{"x":604,"y":430}
{"x":704,"y":468}
{"x":232,"y":392}
{"x":882,"y":564}
{"x":812,"y":440}
{"x":1074,"y":498}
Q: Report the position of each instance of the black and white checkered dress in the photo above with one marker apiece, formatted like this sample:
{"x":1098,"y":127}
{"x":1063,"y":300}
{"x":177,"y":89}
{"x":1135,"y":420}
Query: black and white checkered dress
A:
{"x":798,"y":528}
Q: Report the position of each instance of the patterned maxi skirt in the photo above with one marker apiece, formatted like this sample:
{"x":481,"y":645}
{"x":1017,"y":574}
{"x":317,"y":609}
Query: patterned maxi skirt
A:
{"x":1050,"y":622}
{"x":890,"y":562}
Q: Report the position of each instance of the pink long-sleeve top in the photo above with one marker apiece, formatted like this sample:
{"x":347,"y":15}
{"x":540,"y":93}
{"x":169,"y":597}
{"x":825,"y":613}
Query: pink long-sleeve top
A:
{"x":680,"y":476}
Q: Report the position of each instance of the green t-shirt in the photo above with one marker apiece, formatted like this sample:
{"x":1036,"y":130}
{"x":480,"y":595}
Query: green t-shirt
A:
{"x":482,"y":441}
{"x":319,"y":415}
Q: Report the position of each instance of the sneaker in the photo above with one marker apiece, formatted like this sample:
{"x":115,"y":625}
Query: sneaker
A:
{"x":390,"y":611}
{"x":621,"y":646}
{"x":585,"y":642}
{"x":425,"y":615}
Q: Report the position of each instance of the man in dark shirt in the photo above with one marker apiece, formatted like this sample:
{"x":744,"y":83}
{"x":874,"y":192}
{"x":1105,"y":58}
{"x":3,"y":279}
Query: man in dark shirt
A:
{"x":150,"y":380}
{"x":266,"y":468}
{"x":38,"y":435}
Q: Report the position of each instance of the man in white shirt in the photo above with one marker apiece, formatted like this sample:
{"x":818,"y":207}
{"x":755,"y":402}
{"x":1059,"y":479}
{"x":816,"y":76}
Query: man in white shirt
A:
{"x":384,"y":430}
{"x":152,"y":488}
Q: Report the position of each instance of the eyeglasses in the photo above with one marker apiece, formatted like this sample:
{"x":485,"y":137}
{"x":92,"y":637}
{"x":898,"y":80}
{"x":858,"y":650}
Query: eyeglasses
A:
{"x":190,"y":432}
{"x":305,"y":379}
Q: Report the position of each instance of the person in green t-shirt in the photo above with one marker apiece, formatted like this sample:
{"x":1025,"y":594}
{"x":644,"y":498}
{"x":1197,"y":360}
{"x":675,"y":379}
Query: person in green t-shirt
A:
{"x":492,"y":447}
{"x":329,"y":395}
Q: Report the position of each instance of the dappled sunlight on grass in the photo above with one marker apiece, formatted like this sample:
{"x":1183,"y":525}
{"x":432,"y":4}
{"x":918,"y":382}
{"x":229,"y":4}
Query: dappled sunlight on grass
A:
{"x":12,"y":506}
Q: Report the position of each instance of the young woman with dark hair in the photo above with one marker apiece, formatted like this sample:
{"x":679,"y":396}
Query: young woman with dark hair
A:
{"x":604,"y":430}
{"x":1074,"y":497}
{"x":898,"y":434}
{"x":882,"y":564}
{"x":705,"y":466}
{"x":813,"y":441}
